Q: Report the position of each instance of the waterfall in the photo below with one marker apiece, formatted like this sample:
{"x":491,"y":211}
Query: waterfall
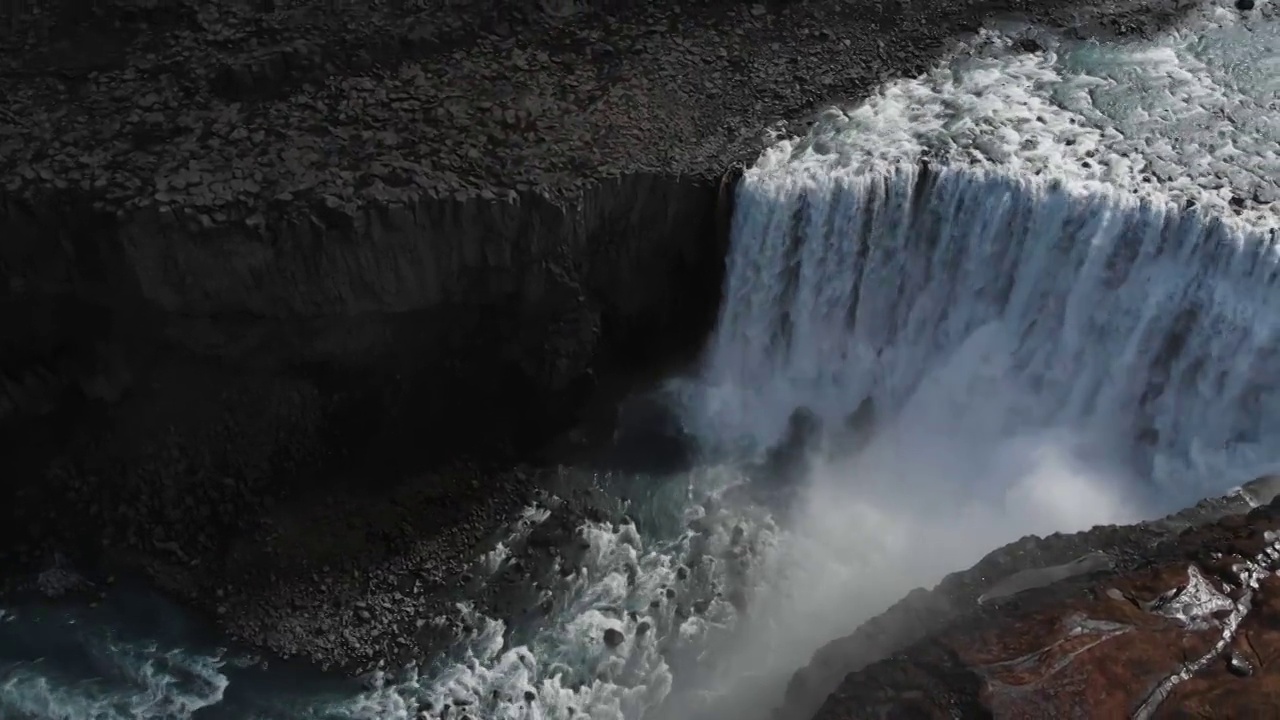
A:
{"x":1100,"y":307}
{"x":1016,"y":211}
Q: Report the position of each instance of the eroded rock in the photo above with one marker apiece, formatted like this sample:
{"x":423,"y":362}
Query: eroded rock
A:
{"x":789,"y":460}
{"x":650,"y":438}
{"x":613,"y":637}
{"x":1180,"y":624}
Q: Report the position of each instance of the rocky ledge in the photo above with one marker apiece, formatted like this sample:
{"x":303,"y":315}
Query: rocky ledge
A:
{"x":260,"y":262}
{"x":1172,"y":618}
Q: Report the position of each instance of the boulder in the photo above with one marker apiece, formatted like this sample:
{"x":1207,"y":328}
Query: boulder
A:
{"x":650,"y":437}
{"x":789,"y":460}
{"x":1119,"y":621}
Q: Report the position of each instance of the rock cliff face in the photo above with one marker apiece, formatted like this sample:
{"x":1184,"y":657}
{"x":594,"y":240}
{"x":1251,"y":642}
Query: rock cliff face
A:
{"x":391,"y":290}
{"x":1170,"y":618}
{"x":203,"y":379}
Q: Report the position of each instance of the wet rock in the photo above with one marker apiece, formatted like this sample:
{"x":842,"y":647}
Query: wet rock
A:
{"x":1239,"y":665}
{"x":1166,"y":618}
{"x":1266,"y":193}
{"x":1028,"y":45}
{"x":650,"y":438}
{"x":789,"y":460}
{"x":60,"y":580}
{"x":856,"y":431}
{"x":1043,"y":577}
{"x":613,"y":637}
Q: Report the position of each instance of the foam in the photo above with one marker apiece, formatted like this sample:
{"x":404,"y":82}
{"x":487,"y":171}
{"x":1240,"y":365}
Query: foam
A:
{"x":1188,"y":117}
{"x":142,"y":682}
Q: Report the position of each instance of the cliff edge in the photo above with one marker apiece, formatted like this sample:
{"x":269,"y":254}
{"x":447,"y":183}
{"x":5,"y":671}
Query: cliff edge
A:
{"x":1169,"y":618}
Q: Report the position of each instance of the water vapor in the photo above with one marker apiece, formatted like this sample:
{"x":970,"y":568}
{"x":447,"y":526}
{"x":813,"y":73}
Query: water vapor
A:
{"x":946,"y":481}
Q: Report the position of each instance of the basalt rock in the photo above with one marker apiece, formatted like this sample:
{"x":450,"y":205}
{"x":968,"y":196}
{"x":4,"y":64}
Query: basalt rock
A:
{"x":1113,"y":622}
{"x":649,"y":438}
{"x":789,"y":459}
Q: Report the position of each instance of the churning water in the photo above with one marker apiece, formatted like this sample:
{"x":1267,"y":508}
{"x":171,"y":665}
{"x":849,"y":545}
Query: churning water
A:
{"x":1051,"y":266}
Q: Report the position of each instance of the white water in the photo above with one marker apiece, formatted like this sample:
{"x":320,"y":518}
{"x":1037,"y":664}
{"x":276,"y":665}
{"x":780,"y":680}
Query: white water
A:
{"x":152,"y":684}
{"x":1011,"y":314}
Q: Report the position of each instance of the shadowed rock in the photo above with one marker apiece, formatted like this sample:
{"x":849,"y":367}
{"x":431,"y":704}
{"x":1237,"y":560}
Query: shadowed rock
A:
{"x":857,"y":429}
{"x":1043,"y":577}
{"x":650,"y":438}
{"x":789,"y":461}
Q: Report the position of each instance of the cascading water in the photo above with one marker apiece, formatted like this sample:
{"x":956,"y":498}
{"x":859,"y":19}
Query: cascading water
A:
{"x":1033,"y":259}
{"x":1047,"y":208}
{"x":1101,"y":306}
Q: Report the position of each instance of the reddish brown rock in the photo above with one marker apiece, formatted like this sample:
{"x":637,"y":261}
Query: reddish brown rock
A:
{"x":1191,"y":630}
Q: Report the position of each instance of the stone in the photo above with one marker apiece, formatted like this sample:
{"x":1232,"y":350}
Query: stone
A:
{"x":1239,"y":665}
{"x":1177,"y":620}
{"x":613,"y":637}
{"x":649,"y":438}
{"x":788,"y":460}
{"x":1043,"y":577}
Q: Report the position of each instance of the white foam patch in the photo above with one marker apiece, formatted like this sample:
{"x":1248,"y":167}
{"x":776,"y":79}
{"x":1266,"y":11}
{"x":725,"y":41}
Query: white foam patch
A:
{"x":626,"y":581}
{"x":530,"y":517}
{"x":140,"y":682}
{"x":1190,"y":116}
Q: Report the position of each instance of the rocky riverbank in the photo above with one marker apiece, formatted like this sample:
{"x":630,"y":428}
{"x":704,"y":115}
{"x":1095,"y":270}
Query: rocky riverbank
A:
{"x":272,"y":272}
{"x":1145,"y":620}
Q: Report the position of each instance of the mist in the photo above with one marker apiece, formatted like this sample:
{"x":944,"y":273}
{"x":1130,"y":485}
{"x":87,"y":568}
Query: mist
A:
{"x":957,"y":472}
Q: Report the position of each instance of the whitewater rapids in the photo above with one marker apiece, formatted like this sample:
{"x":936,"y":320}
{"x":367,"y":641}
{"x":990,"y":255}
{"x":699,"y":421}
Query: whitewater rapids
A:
{"x":1051,"y":265}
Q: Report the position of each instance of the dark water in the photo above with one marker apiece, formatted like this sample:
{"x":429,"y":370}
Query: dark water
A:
{"x":138,"y":656}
